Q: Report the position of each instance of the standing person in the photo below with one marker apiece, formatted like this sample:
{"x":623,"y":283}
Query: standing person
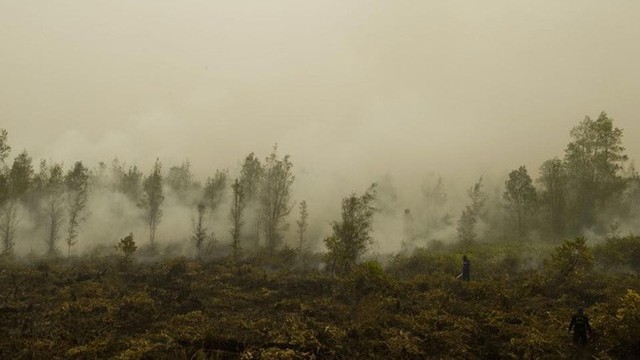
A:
{"x":466,"y":268}
{"x":580,"y":326}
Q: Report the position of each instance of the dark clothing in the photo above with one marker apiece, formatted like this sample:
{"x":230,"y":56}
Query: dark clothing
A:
{"x":466,"y":270}
{"x":580,"y":337}
{"x":580,"y":326}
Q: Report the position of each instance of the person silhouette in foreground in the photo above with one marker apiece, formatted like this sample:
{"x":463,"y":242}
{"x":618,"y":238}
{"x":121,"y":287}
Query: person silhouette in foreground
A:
{"x":466,"y":269}
{"x":580,"y":326}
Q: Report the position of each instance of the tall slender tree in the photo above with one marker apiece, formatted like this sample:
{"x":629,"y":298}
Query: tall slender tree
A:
{"x":472,"y":213}
{"x":77,"y":181}
{"x":21,"y":175}
{"x":237,"y":217}
{"x":153,"y":198}
{"x":7,"y":213}
{"x":303,"y":225}
{"x":520,"y":199}
{"x":180,"y":180}
{"x":8,"y":225}
{"x":594,"y":160}
{"x":131,"y":184}
{"x":199,"y":229}
{"x":4,"y":185}
{"x":54,"y":202}
{"x":214,"y":190}
{"x":467,"y":225}
{"x":630,"y":201}
{"x":553,"y":195}
{"x":15,"y":182}
{"x":275,"y":198}
{"x":251,"y":176}
{"x":478,"y":199}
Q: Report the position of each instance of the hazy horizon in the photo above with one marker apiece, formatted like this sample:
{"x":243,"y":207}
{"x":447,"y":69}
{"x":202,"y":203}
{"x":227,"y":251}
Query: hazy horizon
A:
{"x":352,"y":90}
{"x":458,"y":252}
{"x":356,"y":88}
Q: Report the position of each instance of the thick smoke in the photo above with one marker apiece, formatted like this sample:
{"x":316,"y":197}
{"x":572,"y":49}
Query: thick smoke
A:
{"x":352,"y":90}
{"x":411,"y":214}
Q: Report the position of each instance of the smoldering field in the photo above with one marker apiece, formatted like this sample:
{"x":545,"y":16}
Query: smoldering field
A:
{"x":262,"y":293}
{"x":467,"y":115}
{"x":354,"y":92}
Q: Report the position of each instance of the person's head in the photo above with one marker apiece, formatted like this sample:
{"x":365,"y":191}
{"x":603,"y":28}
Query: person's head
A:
{"x":464,"y":258}
{"x":580,"y":311}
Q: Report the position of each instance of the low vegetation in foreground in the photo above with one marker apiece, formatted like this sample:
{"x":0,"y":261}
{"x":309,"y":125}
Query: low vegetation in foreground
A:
{"x":282,"y":306}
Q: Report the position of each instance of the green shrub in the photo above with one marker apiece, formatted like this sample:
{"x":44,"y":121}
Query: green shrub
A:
{"x":572,"y":261}
{"x":126,"y":247}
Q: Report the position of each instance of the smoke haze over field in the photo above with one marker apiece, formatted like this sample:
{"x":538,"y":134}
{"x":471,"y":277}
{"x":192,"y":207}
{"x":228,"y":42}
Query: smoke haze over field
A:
{"x":353,"y":90}
{"x":362,"y":87}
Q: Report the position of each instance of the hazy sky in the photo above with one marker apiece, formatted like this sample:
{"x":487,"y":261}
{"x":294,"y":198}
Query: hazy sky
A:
{"x":357,"y":87}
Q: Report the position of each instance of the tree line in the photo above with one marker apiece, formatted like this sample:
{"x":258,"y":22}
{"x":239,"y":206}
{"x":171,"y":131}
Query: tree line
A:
{"x":56,"y":200}
{"x":590,"y":187}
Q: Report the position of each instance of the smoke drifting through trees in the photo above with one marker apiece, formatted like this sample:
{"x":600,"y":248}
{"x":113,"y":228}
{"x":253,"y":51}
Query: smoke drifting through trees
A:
{"x":153,"y":200}
{"x":351,"y":235}
{"x":275,"y":198}
{"x":236,"y":217}
{"x":54,"y":206}
{"x":472,"y":213}
{"x":520,"y":200}
{"x":200,"y":230}
{"x":587,"y":191}
{"x":303,"y":225}
{"x":77,"y":181}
